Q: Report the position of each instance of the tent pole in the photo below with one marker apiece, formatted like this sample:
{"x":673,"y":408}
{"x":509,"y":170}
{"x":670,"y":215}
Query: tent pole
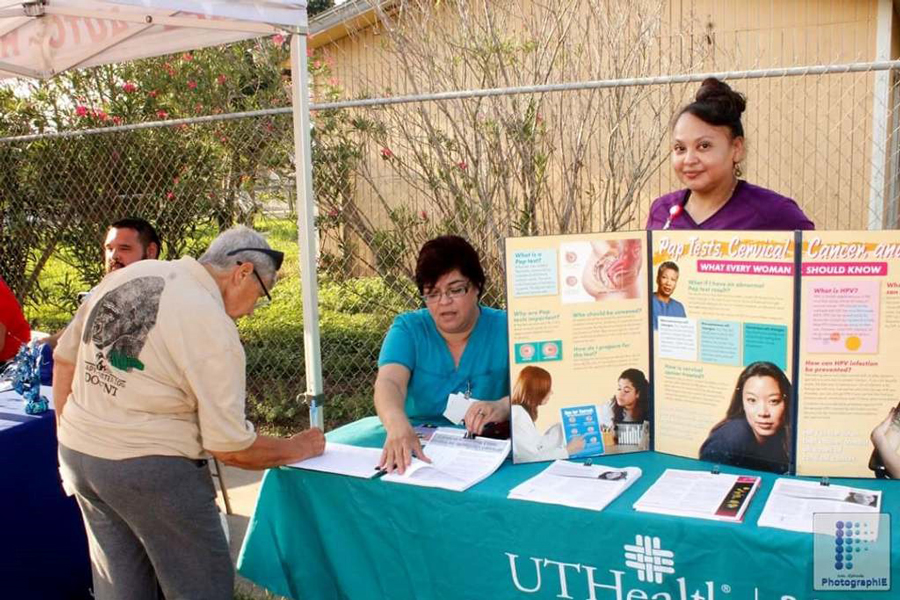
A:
{"x":306,"y":230}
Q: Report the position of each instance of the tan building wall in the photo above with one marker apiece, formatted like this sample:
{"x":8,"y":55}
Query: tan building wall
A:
{"x":808,"y":137}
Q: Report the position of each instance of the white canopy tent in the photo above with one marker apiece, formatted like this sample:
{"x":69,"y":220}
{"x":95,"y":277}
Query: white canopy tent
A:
{"x":41,"y":38}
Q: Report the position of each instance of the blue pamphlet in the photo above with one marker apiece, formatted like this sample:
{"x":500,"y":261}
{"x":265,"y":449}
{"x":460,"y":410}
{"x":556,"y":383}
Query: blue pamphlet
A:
{"x":583,"y":421}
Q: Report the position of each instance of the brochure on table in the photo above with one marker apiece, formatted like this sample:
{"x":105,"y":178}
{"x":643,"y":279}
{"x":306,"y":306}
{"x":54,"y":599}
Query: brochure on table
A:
{"x":792,"y":503}
{"x":580,"y":485}
{"x":457,"y":461}
{"x":578,"y":317}
{"x":700,"y":494}
{"x":756,"y":349}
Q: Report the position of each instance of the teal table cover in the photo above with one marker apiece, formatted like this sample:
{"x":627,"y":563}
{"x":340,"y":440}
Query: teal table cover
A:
{"x":322,"y":536}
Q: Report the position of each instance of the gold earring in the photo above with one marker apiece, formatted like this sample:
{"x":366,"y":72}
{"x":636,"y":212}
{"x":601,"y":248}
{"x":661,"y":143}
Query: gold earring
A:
{"x":737,"y":170}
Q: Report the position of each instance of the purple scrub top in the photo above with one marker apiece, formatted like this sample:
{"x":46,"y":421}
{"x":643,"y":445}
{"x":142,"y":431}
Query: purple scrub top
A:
{"x":750,"y":208}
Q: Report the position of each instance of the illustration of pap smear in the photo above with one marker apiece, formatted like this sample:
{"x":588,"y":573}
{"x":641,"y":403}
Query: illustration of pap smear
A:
{"x":601,"y":270}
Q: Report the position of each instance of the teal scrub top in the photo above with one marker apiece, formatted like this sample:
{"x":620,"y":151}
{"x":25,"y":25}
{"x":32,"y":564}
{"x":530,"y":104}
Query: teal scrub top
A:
{"x":414,"y":342}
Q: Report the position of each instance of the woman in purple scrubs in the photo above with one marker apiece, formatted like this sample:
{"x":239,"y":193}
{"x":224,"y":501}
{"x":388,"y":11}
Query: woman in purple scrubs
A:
{"x":707,"y":149}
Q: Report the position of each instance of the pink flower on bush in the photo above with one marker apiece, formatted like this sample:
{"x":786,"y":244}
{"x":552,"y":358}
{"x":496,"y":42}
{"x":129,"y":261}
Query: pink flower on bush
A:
{"x":221,"y":79}
{"x":187,"y":57}
{"x":100,"y":115}
{"x":386,"y":153}
{"x":424,"y":215}
{"x":162,"y":114}
{"x":117,"y":120}
{"x":462,"y":165}
{"x":81,"y":110}
{"x":309,"y":52}
{"x":153,"y":93}
{"x":317,"y":64}
{"x":278,"y":39}
{"x":192,"y":85}
{"x":169,"y":69}
{"x":128,"y":87}
{"x":170,"y":195}
{"x":334,"y":213}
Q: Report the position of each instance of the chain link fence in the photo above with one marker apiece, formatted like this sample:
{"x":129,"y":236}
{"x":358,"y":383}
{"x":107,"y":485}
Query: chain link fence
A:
{"x":389,"y":175}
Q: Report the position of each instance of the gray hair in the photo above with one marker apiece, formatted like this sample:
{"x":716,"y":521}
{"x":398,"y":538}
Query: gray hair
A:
{"x":217,"y":257}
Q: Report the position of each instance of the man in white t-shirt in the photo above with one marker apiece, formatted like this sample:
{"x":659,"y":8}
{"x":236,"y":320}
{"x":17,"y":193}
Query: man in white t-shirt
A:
{"x":149,"y":381}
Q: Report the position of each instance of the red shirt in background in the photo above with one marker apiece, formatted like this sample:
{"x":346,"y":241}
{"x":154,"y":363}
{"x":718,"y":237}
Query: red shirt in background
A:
{"x":17,"y":330}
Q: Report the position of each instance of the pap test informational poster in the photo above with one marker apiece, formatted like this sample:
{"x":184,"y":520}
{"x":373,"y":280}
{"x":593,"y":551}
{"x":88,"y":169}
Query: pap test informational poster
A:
{"x":578,"y":320}
{"x":723,"y":317}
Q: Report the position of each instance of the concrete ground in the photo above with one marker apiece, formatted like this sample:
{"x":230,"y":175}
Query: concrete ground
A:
{"x":243,"y":488}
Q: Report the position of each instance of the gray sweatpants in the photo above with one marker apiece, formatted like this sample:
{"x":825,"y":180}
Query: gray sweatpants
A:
{"x":147,"y":519}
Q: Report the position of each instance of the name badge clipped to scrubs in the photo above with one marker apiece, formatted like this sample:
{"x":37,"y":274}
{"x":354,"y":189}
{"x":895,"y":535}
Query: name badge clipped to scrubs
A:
{"x":457,"y":405}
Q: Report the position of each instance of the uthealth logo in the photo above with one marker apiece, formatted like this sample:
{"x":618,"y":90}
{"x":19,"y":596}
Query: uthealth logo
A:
{"x":647,"y":557}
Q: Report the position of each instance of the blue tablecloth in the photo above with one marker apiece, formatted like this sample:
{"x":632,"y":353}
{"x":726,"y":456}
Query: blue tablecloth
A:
{"x":321,"y":536}
{"x":43,"y":547}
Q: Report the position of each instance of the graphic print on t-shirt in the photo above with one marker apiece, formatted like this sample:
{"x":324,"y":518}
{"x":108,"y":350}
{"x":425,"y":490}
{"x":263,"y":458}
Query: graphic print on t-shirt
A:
{"x":120,"y":322}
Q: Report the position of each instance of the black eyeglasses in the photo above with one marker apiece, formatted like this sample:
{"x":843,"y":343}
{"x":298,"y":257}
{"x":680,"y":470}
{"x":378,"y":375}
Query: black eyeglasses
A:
{"x":259,"y":279}
{"x":276,"y":256}
{"x":456,"y":291}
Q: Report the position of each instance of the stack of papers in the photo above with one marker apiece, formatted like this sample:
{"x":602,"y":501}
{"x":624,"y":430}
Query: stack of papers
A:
{"x":344,"y":460}
{"x":578,"y":485}
{"x":457,"y":462}
{"x":793,"y":503}
{"x":700,"y":494}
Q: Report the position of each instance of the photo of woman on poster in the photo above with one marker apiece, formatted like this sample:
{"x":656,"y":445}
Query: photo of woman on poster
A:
{"x":532,"y":390}
{"x":630,"y":404}
{"x":885,"y":462}
{"x":756,"y":430}
{"x":664,"y":305}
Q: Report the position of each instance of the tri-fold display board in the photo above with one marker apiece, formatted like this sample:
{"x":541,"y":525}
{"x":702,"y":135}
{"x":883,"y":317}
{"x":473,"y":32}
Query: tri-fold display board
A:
{"x":724,"y":345}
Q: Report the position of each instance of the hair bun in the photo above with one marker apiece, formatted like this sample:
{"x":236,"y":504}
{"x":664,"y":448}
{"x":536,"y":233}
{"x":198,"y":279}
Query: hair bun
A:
{"x":714,"y":91}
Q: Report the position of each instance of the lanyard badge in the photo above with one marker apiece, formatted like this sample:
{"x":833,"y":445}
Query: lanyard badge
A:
{"x":674,"y":212}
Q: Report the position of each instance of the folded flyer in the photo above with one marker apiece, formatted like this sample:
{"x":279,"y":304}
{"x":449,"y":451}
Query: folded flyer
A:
{"x":792,"y":503}
{"x":591,"y":487}
{"x":700,"y":494}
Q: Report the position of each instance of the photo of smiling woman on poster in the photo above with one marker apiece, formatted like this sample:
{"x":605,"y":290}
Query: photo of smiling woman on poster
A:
{"x":756,"y":430}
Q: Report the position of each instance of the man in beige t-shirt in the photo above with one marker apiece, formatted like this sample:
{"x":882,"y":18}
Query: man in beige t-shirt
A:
{"x":149,"y":380}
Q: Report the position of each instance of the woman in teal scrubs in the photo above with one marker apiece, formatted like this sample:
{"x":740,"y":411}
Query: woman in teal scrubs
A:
{"x":453,"y":345}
